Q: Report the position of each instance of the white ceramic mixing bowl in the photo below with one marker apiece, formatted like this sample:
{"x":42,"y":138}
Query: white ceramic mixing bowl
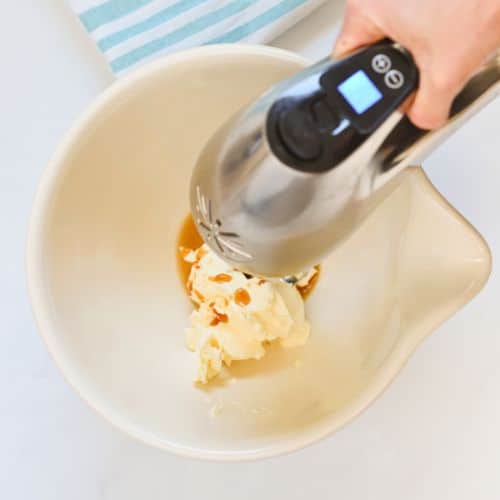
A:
{"x":110,"y":306}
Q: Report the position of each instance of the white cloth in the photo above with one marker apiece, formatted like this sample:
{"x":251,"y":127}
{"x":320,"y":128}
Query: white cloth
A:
{"x":131,"y":32}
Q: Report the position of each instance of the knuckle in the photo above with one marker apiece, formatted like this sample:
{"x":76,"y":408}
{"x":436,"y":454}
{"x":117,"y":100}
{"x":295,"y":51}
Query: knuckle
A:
{"x":447,"y":77}
{"x":443,"y":80}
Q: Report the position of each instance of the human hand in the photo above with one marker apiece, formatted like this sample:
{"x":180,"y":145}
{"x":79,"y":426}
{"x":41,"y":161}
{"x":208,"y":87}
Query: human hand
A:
{"x":449,"y":40}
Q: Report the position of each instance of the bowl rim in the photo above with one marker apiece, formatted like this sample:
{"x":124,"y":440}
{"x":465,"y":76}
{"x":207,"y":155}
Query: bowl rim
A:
{"x":35,"y":282}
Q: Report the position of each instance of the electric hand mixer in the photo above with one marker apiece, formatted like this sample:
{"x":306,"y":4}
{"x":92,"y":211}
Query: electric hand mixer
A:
{"x":294,"y":173}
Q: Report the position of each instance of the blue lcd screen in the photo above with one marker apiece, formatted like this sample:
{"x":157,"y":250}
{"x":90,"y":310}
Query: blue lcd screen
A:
{"x":360,"y":92}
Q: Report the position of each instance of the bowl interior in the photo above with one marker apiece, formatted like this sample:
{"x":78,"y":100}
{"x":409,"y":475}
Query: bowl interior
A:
{"x":112,"y":309}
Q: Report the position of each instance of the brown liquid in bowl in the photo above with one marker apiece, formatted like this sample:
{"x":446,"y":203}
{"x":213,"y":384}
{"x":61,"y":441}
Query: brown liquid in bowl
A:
{"x":190,"y":239}
{"x":306,"y":291}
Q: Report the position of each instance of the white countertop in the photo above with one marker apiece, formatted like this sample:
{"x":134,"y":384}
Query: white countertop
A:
{"x":435,"y":434}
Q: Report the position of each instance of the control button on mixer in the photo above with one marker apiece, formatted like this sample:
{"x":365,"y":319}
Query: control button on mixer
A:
{"x":298,"y":135}
{"x":324,"y":117}
{"x":394,"y":79}
{"x":381,"y":63}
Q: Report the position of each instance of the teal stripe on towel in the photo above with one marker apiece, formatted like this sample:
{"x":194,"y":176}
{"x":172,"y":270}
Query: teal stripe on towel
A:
{"x":190,"y":29}
{"x":155,"y":20}
{"x":259,"y":22}
{"x":109,"y":11}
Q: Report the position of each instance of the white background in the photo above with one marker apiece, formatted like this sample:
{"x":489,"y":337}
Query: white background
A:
{"x":435,"y":434}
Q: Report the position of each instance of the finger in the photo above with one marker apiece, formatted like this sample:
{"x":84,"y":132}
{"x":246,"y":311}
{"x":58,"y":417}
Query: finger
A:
{"x":431,"y":107}
{"x":407,"y":103}
{"x":357,"y":31}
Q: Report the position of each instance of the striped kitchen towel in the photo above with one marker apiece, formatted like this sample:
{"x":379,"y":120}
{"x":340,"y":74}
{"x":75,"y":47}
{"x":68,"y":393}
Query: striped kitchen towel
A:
{"x":131,"y":32}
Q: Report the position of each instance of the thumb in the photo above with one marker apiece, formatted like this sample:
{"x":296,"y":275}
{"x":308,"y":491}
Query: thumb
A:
{"x":357,"y":31}
{"x":431,"y":106}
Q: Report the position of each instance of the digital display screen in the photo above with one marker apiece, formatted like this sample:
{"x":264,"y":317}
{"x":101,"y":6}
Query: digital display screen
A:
{"x":360,"y":92}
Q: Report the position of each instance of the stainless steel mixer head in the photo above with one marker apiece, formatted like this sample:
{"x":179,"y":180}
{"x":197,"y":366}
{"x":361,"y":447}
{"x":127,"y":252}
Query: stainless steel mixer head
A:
{"x":292,"y":175}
